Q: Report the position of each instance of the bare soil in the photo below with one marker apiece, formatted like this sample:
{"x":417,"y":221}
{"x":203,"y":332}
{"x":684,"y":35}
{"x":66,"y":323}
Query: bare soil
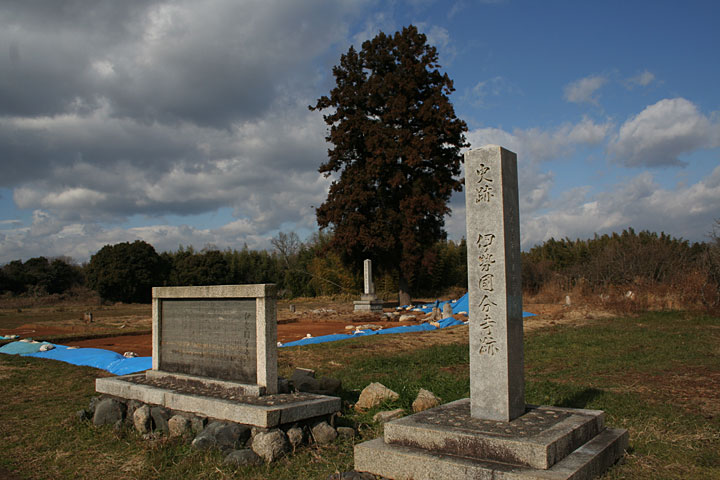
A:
{"x":314,"y":317}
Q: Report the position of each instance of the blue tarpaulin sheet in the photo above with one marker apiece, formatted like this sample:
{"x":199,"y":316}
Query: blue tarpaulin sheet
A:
{"x":448,"y":322}
{"x":458,"y":306}
{"x":90,"y":357}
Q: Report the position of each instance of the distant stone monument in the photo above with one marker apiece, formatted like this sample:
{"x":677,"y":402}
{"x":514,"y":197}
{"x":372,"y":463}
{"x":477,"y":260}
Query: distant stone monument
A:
{"x":215,"y":355}
{"x":493,"y":434}
{"x":368,"y":301}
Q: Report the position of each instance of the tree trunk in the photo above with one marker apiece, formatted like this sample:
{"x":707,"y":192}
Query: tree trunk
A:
{"x":403,"y":291}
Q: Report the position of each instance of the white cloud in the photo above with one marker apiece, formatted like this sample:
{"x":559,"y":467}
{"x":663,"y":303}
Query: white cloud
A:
{"x":640,"y":80}
{"x":536,"y":145}
{"x":662,"y":132}
{"x":640,"y":203}
{"x":583,"y":90}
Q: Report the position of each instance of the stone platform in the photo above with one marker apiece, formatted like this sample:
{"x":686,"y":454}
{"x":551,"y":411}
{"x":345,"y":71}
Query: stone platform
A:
{"x":220,"y":400}
{"x":368,"y":305}
{"x":446,"y":442}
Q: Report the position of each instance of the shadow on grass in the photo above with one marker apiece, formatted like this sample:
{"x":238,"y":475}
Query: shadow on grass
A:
{"x":580,"y":399}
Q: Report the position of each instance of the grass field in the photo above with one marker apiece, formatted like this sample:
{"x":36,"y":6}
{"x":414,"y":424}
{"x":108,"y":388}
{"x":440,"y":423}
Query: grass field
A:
{"x":658,"y":375}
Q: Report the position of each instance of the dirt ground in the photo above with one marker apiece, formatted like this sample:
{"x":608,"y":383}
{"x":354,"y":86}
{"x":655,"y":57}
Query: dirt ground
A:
{"x":313,"y":317}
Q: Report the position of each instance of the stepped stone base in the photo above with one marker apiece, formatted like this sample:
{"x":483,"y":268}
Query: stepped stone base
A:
{"x":367,"y":305}
{"x":221,"y":401}
{"x":446,"y":442}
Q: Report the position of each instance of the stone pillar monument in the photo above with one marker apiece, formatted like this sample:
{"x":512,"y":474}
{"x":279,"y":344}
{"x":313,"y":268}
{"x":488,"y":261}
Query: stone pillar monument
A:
{"x":493,"y":434}
{"x":497,"y":385}
{"x":368,"y":301}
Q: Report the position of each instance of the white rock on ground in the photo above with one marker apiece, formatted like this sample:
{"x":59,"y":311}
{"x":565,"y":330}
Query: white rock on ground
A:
{"x":425,"y":399}
{"x":373,"y":395}
{"x":270,"y":445}
{"x":386,"y":416}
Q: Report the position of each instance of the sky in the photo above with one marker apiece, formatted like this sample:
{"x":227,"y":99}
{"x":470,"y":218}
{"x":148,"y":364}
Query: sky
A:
{"x":186,"y":122}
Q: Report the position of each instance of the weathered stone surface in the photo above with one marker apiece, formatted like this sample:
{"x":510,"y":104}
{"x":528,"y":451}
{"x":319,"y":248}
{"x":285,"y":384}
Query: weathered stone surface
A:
{"x":295,"y":436}
{"x":497,"y":385}
{"x":198,"y":423}
{"x":203,"y":443}
{"x":374,"y":395}
{"x":386,"y":416}
{"x":394,"y":461}
{"x":93,"y":403}
{"x":242,"y":457}
{"x":447,"y":311}
{"x":141,"y":419}
{"x":346,"y":432}
{"x":232,"y":435}
{"x":323,"y":433}
{"x":271,"y":445}
{"x":425,"y":399}
{"x":405,"y":318}
{"x":179,"y":426}
{"x":265,"y":411}
{"x":108,"y":411}
{"x":160,"y":417}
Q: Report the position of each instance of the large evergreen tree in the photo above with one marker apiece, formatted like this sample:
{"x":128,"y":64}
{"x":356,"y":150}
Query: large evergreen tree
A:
{"x":396,"y":145}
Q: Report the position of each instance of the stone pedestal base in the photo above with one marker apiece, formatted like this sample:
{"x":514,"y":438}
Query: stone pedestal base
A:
{"x":446,"y":442}
{"x":368,"y":305}
{"x":219,"y":400}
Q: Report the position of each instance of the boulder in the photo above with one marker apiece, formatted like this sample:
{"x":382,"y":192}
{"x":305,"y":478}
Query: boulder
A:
{"x":141,"y":419}
{"x":160,"y":417}
{"x":374,"y":395}
{"x":242,"y":457}
{"x":425,"y":399}
{"x":179,"y":426}
{"x":109,"y":411}
{"x":232,"y":435}
{"x":198,"y":424}
{"x":386,"y":416}
{"x":447,"y":311}
{"x":270,"y":445}
{"x":295,"y":436}
{"x":323,"y":433}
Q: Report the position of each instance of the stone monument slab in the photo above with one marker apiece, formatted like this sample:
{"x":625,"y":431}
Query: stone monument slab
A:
{"x":215,"y":355}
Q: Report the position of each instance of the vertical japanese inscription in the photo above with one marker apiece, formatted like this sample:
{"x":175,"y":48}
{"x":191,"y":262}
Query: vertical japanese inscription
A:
{"x":496,"y":350}
{"x":485,"y":253}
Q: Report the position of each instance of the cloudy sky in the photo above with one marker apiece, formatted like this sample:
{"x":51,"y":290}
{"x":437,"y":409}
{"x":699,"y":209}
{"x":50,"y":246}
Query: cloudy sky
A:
{"x":186,"y":122}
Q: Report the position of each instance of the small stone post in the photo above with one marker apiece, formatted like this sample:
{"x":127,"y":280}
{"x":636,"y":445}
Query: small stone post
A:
{"x":369,"y":289}
{"x":497,"y":385}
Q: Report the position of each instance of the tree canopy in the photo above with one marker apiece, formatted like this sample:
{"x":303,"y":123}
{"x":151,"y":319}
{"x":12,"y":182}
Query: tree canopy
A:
{"x":396,"y":153}
{"x":126,"y":272}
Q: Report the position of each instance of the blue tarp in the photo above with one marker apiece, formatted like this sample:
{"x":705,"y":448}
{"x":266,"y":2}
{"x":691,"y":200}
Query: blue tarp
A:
{"x":458,"y":306}
{"x":90,"y":357}
{"x":448,"y":322}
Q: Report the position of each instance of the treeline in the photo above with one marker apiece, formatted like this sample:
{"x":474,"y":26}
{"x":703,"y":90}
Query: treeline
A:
{"x":40,"y":276}
{"x":644,"y":262}
{"x":126,"y":271}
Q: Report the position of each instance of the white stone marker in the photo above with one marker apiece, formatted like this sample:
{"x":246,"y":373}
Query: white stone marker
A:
{"x":369,"y":286}
{"x":497,"y":385}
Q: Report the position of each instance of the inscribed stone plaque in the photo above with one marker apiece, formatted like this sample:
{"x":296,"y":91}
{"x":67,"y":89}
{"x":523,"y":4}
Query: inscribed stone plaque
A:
{"x":209,"y":337}
{"x":497,"y":386}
